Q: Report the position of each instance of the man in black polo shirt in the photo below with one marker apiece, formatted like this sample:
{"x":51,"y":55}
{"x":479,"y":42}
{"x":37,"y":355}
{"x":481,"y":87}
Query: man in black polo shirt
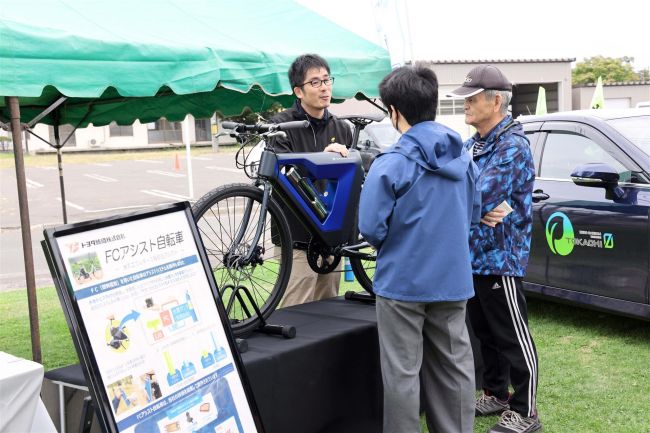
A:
{"x":311,"y":81}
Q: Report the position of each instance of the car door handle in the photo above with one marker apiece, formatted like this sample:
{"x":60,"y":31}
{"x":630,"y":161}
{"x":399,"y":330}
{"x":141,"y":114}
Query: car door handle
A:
{"x":539,"y":195}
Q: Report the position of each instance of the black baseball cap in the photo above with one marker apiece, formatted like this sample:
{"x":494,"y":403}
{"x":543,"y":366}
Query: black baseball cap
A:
{"x":483,"y":77}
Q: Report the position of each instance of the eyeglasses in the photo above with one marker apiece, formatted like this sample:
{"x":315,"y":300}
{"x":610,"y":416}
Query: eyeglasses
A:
{"x":317,"y":83}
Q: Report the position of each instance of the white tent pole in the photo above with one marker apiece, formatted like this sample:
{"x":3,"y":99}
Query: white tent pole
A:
{"x":188,"y":155}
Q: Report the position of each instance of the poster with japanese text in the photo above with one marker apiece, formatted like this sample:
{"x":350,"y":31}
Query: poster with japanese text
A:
{"x":154,"y":328}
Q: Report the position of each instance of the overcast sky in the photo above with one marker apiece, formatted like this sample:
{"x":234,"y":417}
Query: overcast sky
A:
{"x":473,"y":29}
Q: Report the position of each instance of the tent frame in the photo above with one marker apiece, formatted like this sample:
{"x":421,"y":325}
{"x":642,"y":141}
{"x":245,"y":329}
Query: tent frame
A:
{"x":16,"y":128}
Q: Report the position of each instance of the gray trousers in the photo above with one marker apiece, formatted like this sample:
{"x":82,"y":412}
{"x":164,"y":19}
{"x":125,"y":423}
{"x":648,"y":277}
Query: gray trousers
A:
{"x":427,"y":342}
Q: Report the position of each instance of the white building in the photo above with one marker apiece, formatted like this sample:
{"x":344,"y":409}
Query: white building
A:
{"x":527,"y":75}
{"x":113,"y":136}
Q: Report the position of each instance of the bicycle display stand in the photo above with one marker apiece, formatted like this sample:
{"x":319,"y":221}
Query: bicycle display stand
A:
{"x":242,"y":345}
{"x":246,"y":231}
{"x":360,"y":297}
{"x":287,"y":331}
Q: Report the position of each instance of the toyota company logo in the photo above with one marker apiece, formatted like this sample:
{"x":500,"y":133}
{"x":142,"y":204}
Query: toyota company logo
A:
{"x":559,"y":234}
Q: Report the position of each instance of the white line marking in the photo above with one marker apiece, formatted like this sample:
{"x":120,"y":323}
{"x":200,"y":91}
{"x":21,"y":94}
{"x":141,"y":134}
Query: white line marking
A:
{"x":164,"y":194}
{"x":33,"y":184}
{"x":137,"y":206}
{"x":100,"y":178}
{"x":50,"y":168}
{"x":148,"y":161}
{"x":166,"y":173}
{"x":76,"y":206}
{"x":229,"y":170}
{"x":40,"y":227}
{"x":102,"y":164}
{"x":201,"y":158}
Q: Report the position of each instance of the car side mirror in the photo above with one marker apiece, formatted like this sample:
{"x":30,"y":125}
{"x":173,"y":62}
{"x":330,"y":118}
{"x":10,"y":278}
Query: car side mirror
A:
{"x":598,"y":175}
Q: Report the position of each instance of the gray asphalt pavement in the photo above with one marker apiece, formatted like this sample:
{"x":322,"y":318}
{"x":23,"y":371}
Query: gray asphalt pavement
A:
{"x":94,"y":191}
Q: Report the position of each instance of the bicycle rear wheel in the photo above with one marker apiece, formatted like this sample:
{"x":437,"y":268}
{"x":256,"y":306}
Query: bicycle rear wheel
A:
{"x":364,"y":269}
{"x":220,"y":217}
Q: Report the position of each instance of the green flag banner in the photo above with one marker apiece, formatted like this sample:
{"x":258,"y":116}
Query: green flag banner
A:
{"x":598,"y":100}
{"x":541,"y":102}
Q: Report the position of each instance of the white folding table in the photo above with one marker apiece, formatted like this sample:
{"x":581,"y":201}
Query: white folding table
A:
{"x":21,"y":408}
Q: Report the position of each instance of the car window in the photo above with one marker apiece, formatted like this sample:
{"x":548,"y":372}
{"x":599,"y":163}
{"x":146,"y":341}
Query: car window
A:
{"x":378,"y":135}
{"x":636,"y":129}
{"x":533,"y":136}
{"x":382,"y":134}
{"x":364,"y":139}
{"x":563,"y":152}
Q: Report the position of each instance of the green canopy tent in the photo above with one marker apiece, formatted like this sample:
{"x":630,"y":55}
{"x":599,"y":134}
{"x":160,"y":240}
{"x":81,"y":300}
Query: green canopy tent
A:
{"x":84,"y":62}
{"x":123,"y":60}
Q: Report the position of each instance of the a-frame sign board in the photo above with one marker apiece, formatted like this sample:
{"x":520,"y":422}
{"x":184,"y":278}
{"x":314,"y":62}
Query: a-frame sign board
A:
{"x":148,"y":324}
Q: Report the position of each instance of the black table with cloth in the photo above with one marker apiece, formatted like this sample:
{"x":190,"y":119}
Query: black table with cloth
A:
{"x":325,"y":380}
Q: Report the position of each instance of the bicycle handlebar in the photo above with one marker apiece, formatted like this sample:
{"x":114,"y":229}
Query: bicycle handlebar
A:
{"x":265,"y":127}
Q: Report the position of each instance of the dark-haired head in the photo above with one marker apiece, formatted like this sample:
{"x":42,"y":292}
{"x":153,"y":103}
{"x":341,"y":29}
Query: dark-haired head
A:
{"x":413,"y":91}
{"x":303,"y":63}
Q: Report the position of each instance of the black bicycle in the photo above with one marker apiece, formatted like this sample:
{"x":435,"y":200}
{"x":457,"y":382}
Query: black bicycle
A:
{"x":246,"y":234}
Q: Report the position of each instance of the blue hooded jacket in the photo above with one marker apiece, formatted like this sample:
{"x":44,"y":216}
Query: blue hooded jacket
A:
{"x":416,"y":208}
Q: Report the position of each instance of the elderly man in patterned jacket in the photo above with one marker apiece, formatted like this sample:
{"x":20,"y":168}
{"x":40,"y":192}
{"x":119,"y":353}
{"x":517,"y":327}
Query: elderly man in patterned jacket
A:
{"x":499,"y":248}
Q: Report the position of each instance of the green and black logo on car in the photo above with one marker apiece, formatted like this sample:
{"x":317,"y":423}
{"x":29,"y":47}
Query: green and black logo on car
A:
{"x":561,"y":236}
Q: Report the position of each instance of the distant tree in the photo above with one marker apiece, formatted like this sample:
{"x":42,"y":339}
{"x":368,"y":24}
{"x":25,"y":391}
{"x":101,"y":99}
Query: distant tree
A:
{"x":613,"y":70}
{"x":249,"y":116}
{"x":644,"y":75}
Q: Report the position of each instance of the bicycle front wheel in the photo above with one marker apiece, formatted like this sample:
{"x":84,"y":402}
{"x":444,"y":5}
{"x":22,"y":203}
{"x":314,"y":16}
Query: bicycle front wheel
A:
{"x":227,"y":218}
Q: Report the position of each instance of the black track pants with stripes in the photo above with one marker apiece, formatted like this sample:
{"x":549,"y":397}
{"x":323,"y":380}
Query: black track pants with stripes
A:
{"x":499,"y":318}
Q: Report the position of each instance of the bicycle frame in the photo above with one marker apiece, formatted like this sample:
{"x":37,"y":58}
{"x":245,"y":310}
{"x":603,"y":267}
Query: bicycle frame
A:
{"x":330,"y":221}
{"x":244,"y":224}
{"x":344,"y":176}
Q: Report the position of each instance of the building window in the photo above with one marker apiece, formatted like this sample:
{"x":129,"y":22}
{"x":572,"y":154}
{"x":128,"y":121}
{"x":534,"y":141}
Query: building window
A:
{"x":64,"y":133}
{"x":202,"y":129}
{"x":164,"y":131}
{"x":116,"y":130}
{"x":449,"y":107}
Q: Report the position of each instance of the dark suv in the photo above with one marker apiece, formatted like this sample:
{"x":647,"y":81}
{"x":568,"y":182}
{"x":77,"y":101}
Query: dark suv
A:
{"x":591,"y":231}
{"x":374,"y":139}
{"x":374,"y":134}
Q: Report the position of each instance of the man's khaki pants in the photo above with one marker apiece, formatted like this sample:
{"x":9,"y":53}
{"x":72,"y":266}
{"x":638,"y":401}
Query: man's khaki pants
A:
{"x":305,"y":285}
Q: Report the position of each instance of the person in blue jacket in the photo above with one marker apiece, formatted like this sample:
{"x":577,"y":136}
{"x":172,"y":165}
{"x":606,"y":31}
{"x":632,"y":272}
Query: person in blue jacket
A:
{"x":416,"y":207}
{"x":499,"y":248}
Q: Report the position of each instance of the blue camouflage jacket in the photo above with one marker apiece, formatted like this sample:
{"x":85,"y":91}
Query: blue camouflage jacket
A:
{"x":507,"y":172}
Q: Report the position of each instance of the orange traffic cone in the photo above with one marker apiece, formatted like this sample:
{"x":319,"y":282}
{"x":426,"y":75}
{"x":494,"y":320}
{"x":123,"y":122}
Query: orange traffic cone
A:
{"x":177,"y":163}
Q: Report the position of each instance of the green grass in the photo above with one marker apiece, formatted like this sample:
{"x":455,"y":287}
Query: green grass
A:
{"x":593,"y":367}
{"x":593,"y":371}
{"x":57,"y":349}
